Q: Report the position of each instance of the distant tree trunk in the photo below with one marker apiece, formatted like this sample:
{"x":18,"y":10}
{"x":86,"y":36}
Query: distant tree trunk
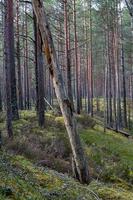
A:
{"x":123,"y":77}
{"x":36,"y":61}
{"x":110,"y":78}
{"x":88,"y":82}
{"x":130,"y":102}
{"x":1,"y":107}
{"x":129,"y":4}
{"x":91,"y":59}
{"x":113,"y":67}
{"x":26,"y":65}
{"x":110,"y":120}
{"x":20,"y":95}
{"x":85,"y":63}
{"x":79,"y":77}
{"x":23,"y":60}
{"x":106,"y":109}
{"x":8,"y":70}
{"x":11,"y":57}
{"x":67,"y":51}
{"x":117,"y":68}
{"x":81,"y":166}
{"x":76,"y":59}
{"x":124,"y":88}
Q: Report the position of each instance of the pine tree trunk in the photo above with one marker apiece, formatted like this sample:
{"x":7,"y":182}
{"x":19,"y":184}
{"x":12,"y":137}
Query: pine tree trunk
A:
{"x":11,"y":57}
{"x":8,"y":71}
{"x":20,"y":95}
{"x":67,"y":51}
{"x":1,"y":107}
{"x":76,"y":59}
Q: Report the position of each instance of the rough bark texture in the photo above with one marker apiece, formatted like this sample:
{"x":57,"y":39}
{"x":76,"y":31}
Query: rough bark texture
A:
{"x":76,"y":59}
{"x":39,"y":74}
{"x":78,"y":155}
{"x":7,"y":74}
{"x":41,"y":94}
{"x":11,"y":57}
{"x":67,"y":50}
{"x":20,"y":93}
{"x":36,"y":71}
{"x":0,"y":99}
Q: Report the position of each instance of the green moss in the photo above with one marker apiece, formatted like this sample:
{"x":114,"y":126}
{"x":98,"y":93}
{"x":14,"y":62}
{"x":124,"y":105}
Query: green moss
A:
{"x":110,"y":160}
{"x":21,"y":180}
{"x":112,"y":191}
{"x":59,"y":122}
{"x":27,"y":114}
{"x":110,"y":152}
{"x":20,"y":124}
{"x":107,"y":193}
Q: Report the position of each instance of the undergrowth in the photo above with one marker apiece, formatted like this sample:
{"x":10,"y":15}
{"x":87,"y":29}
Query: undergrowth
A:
{"x":24,"y":161}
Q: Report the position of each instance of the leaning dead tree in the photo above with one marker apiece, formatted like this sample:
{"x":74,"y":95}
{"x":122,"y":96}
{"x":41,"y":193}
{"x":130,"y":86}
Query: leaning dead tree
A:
{"x":79,"y":160}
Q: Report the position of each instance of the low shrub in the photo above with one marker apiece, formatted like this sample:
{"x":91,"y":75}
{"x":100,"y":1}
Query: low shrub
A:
{"x":86,"y":121}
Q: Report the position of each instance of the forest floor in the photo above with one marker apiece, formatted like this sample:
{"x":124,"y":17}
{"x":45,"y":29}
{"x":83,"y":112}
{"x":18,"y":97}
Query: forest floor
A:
{"x":36,"y":165}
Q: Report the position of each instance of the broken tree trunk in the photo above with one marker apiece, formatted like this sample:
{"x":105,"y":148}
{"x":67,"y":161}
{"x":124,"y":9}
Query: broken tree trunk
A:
{"x":81,"y":166}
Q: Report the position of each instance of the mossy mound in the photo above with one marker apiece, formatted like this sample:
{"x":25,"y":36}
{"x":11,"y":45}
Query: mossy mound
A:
{"x":21,"y":180}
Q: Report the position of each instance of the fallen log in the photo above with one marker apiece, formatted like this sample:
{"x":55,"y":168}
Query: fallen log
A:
{"x":126,"y":134}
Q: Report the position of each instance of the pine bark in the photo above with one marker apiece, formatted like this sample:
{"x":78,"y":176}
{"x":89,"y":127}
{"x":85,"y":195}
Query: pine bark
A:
{"x":76,"y":59}
{"x":39,"y":76}
{"x":7,"y":72}
{"x":18,"y":57}
{"x":11,"y":56}
{"x":67,"y":50}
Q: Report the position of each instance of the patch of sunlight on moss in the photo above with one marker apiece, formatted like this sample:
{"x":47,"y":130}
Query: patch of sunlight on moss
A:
{"x":113,"y":142}
{"x":43,"y":178}
{"x":27,"y":114}
{"x":59,"y":122}
{"x":48,"y":114}
{"x":112,"y":191}
{"x":18,"y":124}
{"x":107,"y":193}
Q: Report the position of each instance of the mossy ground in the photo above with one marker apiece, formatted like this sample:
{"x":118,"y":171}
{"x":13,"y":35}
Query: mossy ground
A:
{"x":24,"y":162}
{"x":110,"y":153}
